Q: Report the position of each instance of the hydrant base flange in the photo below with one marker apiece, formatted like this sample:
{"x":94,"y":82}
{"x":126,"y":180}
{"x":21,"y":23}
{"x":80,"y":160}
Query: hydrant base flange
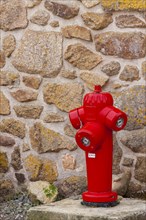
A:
{"x":100,"y":204}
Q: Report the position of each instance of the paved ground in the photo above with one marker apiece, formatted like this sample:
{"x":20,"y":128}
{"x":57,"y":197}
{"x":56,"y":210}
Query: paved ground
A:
{"x":15,"y":209}
{"x":69,"y":209}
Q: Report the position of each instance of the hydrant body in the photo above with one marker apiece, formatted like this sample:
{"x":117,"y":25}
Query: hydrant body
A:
{"x":95,"y":121}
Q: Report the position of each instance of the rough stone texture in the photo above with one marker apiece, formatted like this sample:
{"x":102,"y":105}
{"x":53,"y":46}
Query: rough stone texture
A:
{"x":90,"y":3}
{"x":69,"y":130}
{"x":4,"y":164}
{"x":117,"y":155}
{"x":72,"y":186}
{"x":32,"y":82}
{"x":33,"y":3}
{"x":135,"y":140}
{"x":54,"y":24}
{"x":46,"y":140}
{"x":139,"y":169}
{"x":37,"y":190}
{"x":9,"y":45}
{"x":40,"y":17}
{"x":68,"y":162}
{"x":12,"y":126}
{"x":80,"y":56}
{"x":33,"y":166}
{"x":65,"y":96}
{"x":121,"y":182}
{"x":6,"y":190}
{"x":122,"y":5}
{"x":116,"y":85}
{"x":112,"y":68}
{"x":39,"y":52}
{"x":25,"y":147}
{"x":128,"y":45}
{"x":38,"y":169}
{"x":8,"y":78}
{"x":53,"y":117}
{"x":6,"y":141}
{"x":62,"y":10}
{"x":20,"y":178}
{"x":69,"y":74}
{"x":76,"y":31}
{"x":23,"y":95}
{"x":130,"y":73}
{"x":31,"y":111}
{"x":4,"y":105}
{"x":128,"y":162}
{"x":143,"y":69}
{"x":132,"y":101}
{"x":97,"y":21}
{"x":129,"y":21}
{"x":92,"y":79}
{"x":12,"y":15}
{"x":48,"y":171}
{"x":16,"y":159}
{"x":2,"y":59}
{"x":129,"y":209}
{"x":134,"y":190}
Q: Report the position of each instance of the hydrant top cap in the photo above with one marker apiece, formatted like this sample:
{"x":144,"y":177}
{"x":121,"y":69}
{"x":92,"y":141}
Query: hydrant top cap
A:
{"x":97,"y":88}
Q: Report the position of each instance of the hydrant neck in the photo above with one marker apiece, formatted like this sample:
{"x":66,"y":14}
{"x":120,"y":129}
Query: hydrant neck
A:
{"x":97,"y":89}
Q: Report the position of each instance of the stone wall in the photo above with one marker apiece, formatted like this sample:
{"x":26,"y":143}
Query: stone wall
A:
{"x":52,"y":53}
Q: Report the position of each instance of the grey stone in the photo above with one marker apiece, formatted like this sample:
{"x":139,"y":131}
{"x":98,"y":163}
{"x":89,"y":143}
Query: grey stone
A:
{"x":62,"y":10}
{"x":40,"y":17}
{"x":2,"y":59}
{"x":6,"y":141}
{"x":117,"y":155}
{"x":135,"y":190}
{"x":81,"y":57}
{"x":97,"y":21}
{"x":135,"y":140}
{"x":9,"y":45}
{"x":69,"y":209}
{"x":128,"y":162}
{"x":90,"y":3}
{"x":65,"y":96}
{"x":13,"y":15}
{"x":127,"y":45}
{"x":46,"y":140}
{"x":111,"y":68}
{"x":39,"y":189}
{"x":39,"y":53}
{"x":129,"y":73}
{"x":121,"y":182}
{"x":53,"y":117}
{"x":20,"y":178}
{"x":7,"y":190}
{"x":8,"y":78}
{"x":129,"y":21}
{"x":33,"y":3}
{"x":16,"y":159}
{"x":69,"y":74}
{"x":139,"y":169}
{"x":132,"y":101}
{"x":71,"y":186}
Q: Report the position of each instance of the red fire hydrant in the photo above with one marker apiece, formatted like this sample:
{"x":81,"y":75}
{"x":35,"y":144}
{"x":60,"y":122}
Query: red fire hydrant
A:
{"x":96,"y":120}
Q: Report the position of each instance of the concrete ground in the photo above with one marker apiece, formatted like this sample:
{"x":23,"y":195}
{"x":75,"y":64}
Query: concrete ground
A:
{"x":69,"y":209}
